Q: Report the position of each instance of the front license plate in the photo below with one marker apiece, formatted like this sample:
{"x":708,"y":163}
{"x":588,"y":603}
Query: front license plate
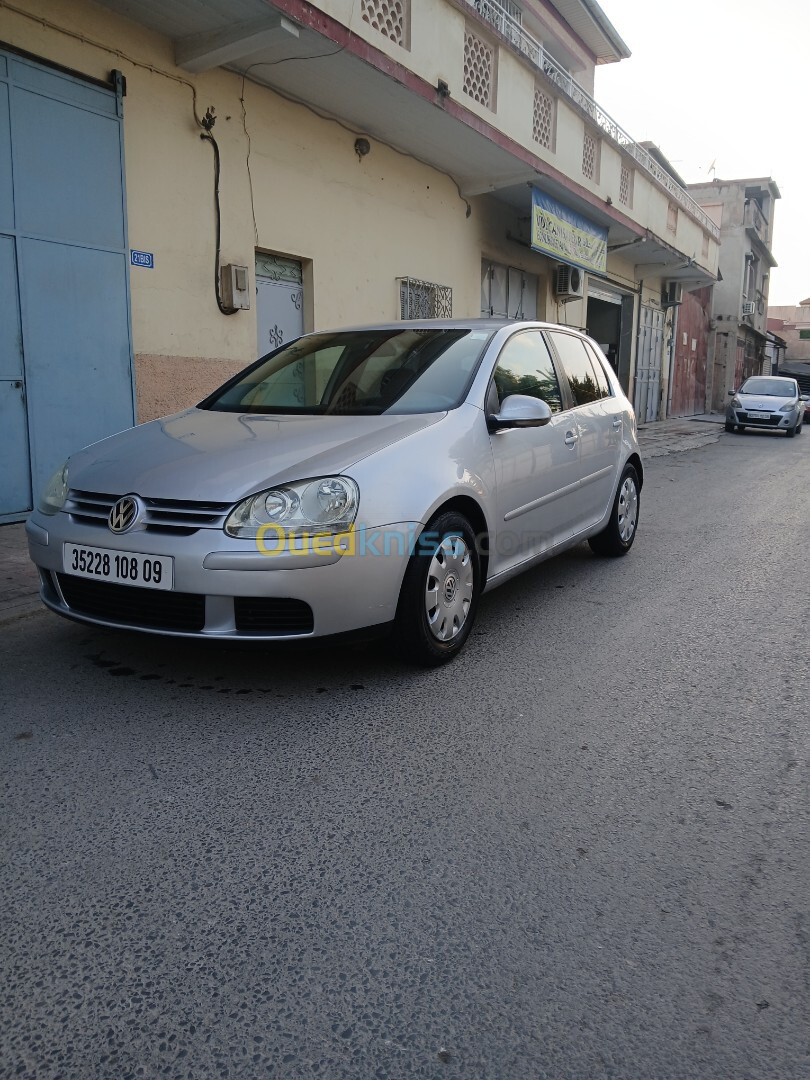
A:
{"x":122,"y":567}
{"x":760,"y":415}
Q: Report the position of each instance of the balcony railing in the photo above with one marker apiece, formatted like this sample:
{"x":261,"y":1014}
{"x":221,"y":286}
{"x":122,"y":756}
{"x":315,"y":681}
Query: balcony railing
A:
{"x":532,"y":49}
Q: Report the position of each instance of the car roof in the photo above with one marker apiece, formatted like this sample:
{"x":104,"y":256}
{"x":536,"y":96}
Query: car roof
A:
{"x":453,"y":324}
{"x":772,"y":378}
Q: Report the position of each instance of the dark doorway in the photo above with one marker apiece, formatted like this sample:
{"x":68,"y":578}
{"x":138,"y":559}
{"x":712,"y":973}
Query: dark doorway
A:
{"x":604,"y":326}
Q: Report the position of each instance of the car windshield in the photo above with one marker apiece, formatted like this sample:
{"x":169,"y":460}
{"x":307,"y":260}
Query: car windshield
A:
{"x":769,"y":387}
{"x":359,"y":372}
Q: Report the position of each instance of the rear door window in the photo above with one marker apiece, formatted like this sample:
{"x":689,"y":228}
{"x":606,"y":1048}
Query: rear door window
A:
{"x":577,"y":365}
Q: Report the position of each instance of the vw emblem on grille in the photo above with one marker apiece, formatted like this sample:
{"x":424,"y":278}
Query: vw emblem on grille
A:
{"x":125,"y":514}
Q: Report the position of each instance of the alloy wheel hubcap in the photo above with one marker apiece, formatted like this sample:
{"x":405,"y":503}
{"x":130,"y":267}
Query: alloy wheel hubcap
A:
{"x":449,"y":589}
{"x":628,"y":509}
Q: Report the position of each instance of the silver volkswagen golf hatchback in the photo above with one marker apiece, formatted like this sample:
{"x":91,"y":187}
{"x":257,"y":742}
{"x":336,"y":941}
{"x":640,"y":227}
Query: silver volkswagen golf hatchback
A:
{"x":377,"y":477}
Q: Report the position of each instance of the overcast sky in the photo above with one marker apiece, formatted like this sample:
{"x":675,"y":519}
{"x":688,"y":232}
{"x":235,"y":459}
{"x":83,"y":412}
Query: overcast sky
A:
{"x":716,"y":81}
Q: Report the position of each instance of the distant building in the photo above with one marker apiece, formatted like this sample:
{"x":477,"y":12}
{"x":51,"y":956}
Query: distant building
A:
{"x":743,"y":210}
{"x":793,"y":324}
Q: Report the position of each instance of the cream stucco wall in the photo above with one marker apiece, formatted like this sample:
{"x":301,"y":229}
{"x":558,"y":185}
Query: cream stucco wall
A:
{"x":357,"y":224}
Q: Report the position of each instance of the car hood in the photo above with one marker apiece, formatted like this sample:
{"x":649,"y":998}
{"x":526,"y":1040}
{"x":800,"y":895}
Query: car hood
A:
{"x":763,"y":403}
{"x":221,"y":456}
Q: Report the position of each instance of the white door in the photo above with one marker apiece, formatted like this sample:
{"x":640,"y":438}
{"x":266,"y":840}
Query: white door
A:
{"x":536,"y":469}
{"x":648,"y":364}
{"x":279,"y":301}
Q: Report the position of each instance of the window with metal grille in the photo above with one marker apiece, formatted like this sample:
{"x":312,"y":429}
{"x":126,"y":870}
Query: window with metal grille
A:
{"x":590,"y":157}
{"x":626,"y":186}
{"x":479,"y":70}
{"x":390,"y":17}
{"x":672,"y":218}
{"x":544,"y":119}
{"x":424,"y":299}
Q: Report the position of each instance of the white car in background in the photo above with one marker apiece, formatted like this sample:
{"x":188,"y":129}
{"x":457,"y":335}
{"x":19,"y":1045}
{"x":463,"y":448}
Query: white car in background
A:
{"x":772,"y":402}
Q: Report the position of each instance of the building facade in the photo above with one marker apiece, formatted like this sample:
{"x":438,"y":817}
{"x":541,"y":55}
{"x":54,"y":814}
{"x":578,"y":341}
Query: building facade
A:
{"x":187,"y":183}
{"x":744,"y":212}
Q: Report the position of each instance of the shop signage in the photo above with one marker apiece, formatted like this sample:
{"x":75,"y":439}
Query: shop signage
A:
{"x":566,"y":235}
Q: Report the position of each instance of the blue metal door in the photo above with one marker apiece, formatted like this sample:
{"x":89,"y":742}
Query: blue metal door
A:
{"x":15,"y":476}
{"x":63,"y":274}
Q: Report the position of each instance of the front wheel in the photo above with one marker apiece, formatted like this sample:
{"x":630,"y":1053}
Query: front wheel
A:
{"x":440,"y":590}
{"x":791,"y":431}
{"x":618,"y":535}
{"x":730,"y":427}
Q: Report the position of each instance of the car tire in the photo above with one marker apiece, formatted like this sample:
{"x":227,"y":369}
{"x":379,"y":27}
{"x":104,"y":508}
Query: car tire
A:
{"x":791,"y":431}
{"x":439,"y":595}
{"x":618,"y":535}
{"x":730,"y":428}
{"x":799,"y":429}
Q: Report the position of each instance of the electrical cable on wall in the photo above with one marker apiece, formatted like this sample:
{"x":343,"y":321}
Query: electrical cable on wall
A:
{"x":207,"y":123}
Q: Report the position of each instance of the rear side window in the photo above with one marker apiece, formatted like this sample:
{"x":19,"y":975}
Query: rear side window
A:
{"x":599,"y":372}
{"x":578,"y":367}
{"x":525,"y":367}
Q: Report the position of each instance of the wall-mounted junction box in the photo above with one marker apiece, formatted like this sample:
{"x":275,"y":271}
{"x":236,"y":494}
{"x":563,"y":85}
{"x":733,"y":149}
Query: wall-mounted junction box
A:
{"x":235,"y":286}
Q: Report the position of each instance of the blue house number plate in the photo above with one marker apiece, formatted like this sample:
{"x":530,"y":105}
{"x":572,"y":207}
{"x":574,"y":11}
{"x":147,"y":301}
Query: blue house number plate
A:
{"x":142,"y":258}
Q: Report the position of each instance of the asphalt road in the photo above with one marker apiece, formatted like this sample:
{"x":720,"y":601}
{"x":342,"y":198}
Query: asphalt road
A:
{"x":582,"y":850}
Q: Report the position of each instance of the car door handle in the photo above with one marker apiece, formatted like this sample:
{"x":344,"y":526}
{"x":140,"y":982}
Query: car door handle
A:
{"x":570,"y":438}
{"x":617,"y":423}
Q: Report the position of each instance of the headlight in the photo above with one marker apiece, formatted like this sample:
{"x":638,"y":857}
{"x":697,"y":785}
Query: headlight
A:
{"x":736,"y":403}
{"x":55,"y":493}
{"x":789,"y":407}
{"x":327,"y":504}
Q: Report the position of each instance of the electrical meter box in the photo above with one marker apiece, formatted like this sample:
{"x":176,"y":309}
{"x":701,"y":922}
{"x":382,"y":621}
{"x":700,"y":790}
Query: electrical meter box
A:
{"x":235,"y":290}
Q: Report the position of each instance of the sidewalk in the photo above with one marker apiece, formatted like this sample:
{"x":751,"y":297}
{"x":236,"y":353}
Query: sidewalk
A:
{"x":663,"y":437}
{"x":19,"y":582}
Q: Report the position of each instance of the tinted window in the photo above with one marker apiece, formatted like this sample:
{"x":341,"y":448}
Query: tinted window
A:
{"x":359,"y":372}
{"x":578,"y":368}
{"x":599,"y":372}
{"x":525,"y":367}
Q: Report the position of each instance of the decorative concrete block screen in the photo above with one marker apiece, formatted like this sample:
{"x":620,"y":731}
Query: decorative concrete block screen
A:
{"x":543,"y":120}
{"x":389,"y":17}
{"x":626,"y":187}
{"x":590,"y":157}
{"x":479,"y":69}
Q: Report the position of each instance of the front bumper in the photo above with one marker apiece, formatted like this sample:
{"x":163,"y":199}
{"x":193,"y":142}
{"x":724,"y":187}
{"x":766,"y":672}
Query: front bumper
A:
{"x":226,"y":588}
{"x":775,"y":421}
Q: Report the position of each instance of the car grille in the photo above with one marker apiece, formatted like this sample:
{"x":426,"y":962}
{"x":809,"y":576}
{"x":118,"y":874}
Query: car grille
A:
{"x":273,"y":615}
{"x":181,"y":518}
{"x":770,"y":421}
{"x":132,"y":606}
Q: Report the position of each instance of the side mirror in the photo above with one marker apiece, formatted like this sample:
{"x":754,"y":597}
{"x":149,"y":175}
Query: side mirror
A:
{"x":520,"y":411}
{"x":731,"y":393}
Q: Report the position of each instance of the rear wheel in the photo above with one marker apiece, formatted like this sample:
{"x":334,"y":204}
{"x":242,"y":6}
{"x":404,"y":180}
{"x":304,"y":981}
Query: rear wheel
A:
{"x":618,"y":535}
{"x":439,"y":596}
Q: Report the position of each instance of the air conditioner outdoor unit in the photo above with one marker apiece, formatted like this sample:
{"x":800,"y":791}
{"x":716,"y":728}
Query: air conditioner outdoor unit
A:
{"x":673,"y":294}
{"x":749,"y":307}
{"x":568,"y":282}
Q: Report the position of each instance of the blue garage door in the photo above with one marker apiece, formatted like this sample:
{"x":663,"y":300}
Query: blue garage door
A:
{"x":65,"y":346}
